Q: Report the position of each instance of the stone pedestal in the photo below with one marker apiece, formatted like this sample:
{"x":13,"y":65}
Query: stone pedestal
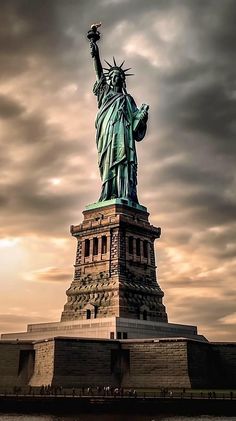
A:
{"x":115,"y":272}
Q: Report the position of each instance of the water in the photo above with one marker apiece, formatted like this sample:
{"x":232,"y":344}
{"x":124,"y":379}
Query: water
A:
{"x":109,"y":417}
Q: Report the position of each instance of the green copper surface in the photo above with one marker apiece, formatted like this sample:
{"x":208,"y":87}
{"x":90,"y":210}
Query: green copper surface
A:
{"x":119,"y":124}
{"x":118,"y":201}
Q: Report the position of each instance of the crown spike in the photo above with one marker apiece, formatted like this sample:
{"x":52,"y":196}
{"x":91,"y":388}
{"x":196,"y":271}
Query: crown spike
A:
{"x":126,"y":70}
{"x":122,"y":63}
{"x":129,"y":74}
{"x":114,"y":61}
{"x":108,"y":63}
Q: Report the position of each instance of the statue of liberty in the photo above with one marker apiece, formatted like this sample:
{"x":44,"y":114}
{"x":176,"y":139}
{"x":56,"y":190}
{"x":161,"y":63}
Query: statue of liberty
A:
{"x":119,"y":124}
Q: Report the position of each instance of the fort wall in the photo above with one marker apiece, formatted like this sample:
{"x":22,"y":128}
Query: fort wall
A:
{"x":157,"y":363}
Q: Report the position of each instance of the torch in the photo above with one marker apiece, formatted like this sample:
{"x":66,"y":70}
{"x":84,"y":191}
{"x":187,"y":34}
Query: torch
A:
{"x":93,"y":34}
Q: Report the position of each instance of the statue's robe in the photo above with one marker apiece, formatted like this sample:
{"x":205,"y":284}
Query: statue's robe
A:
{"x":115,"y":139}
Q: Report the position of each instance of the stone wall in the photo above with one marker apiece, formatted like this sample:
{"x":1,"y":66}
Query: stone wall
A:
{"x":202,"y":365}
{"x":157,"y":364}
{"x":85,"y":363}
{"x":72,"y":362}
{"x":225,"y":363}
{"x":16,"y":365}
{"x":44,"y":363}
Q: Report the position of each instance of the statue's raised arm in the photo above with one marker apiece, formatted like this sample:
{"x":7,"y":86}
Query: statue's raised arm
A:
{"x":119,"y":124}
{"x":94,"y":36}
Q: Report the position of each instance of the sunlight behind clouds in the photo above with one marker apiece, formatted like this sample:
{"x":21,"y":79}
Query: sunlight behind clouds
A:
{"x":229,"y":320}
{"x":55,"y":181}
{"x":155,"y":57}
{"x":8,"y":242}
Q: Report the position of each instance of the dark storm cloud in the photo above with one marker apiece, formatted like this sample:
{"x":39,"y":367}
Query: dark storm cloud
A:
{"x":210,"y":110}
{"x":9,"y":108}
{"x":43,"y":212}
{"x":190,"y":174}
{"x":45,"y":154}
{"x":30,"y":27}
{"x":212,"y":208}
{"x":208,"y":309}
{"x":210,"y":312}
{"x":52,"y":274}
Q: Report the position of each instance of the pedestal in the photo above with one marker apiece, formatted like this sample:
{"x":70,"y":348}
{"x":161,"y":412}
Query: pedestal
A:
{"x":115,"y":272}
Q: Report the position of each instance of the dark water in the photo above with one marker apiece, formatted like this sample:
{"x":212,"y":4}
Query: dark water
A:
{"x":109,"y":417}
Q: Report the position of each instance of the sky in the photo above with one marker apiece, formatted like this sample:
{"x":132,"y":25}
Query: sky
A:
{"x":183,"y":55}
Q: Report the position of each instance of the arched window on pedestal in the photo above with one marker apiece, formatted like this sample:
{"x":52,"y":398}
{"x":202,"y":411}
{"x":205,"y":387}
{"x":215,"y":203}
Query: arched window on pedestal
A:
{"x":131,"y":245}
{"x":104,"y":244}
{"x":95,"y":246}
{"x":145,"y":249}
{"x":87,"y":248}
{"x":138,"y":248}
{"x":88,"y":314}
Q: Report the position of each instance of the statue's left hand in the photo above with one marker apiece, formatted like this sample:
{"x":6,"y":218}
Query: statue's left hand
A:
{"x":144,"y":112}
{"x":144,"y":115}
{"x":140,"y":121}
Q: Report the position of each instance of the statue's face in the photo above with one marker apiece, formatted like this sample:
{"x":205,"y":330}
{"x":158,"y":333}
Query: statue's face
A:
{"x":116,"y":78}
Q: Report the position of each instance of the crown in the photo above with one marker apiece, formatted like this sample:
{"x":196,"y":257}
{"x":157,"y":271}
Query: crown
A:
{"x":116,"y":67}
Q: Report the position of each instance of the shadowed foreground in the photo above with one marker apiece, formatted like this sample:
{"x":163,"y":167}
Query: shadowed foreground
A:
{"x":187,"y":404}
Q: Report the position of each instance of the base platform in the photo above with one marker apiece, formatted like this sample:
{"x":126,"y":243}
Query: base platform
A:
{"x":106,"y":328}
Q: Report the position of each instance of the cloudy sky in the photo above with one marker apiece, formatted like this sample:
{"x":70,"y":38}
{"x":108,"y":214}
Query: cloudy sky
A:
{"x":183,"y":55}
